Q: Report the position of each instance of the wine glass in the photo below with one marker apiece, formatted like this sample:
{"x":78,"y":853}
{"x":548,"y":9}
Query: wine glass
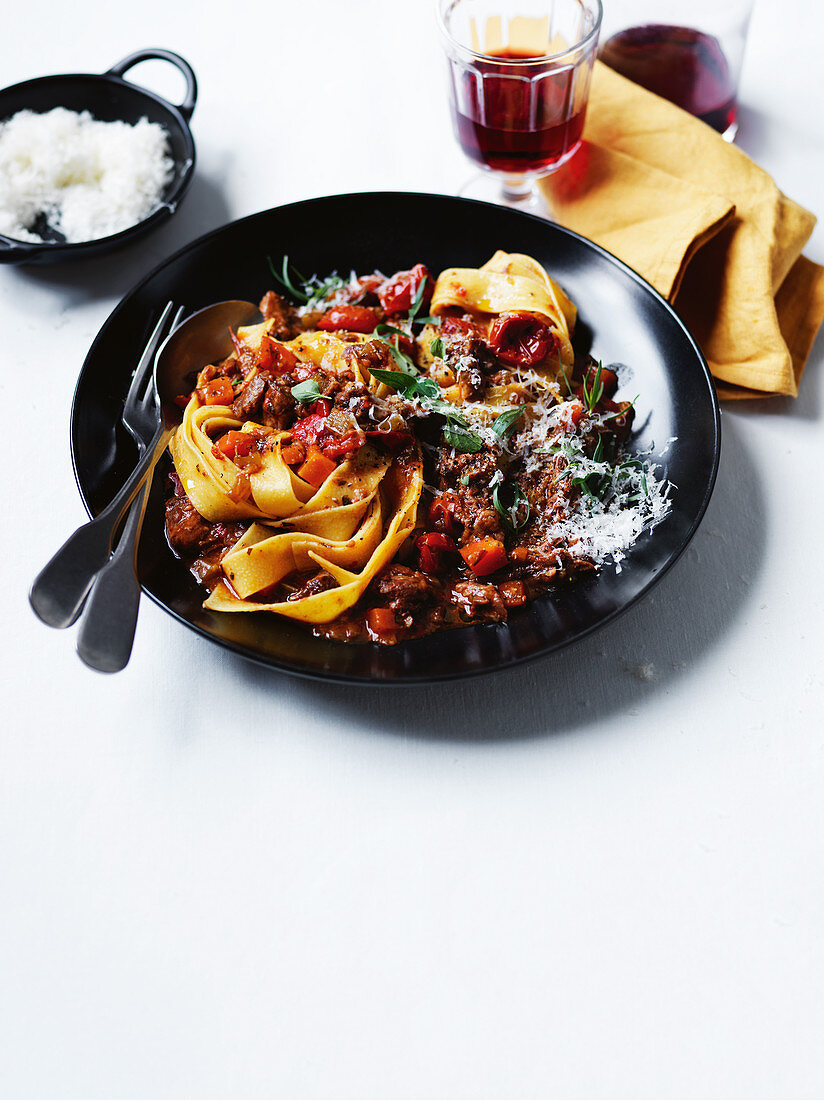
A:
{"x":687,"y":51}
{"x":519,"y":78}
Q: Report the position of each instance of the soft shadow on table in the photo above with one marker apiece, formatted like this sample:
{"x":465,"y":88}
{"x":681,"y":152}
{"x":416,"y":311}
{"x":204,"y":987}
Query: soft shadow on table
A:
{"x":114,"y":273}
{"x":662,"y":638}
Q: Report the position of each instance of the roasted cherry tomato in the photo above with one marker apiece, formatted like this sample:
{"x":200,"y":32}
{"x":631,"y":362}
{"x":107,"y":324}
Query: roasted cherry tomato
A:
{"x":349,"y":319}
{"x":484,"y":556}
{"x":609,"y":379}
{"x":441,"y":513}
{"x":343,"y":445}
{"x":606,"y":381}
{"x":235,"y":444}
{"x":452,"y":324}
{"x":216,"y":392}
{"x":521,"y":339}
{"x":313,"y":429}
{"x":621,"y":416}
{"x":431,"y":548}
{"x":369,"y":285}
{"x":394,"y":440}
{"x":400,"y":292}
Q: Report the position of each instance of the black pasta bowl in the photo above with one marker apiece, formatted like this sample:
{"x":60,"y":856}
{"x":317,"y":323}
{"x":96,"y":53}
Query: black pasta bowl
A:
{"x":108,"y":97}
{"x":621,"y":320}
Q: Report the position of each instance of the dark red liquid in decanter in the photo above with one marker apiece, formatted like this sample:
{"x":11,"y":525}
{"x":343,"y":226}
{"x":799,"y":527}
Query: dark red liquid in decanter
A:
{"x":683,"y":65}
{"x":513,"y":119}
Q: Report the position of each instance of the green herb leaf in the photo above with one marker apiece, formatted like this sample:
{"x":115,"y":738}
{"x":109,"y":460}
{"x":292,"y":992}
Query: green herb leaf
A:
{"x":570,"y":390}
{"x":381,"y":329}
{"x":461,"y":438}
{"x":436,"y":321}
{"x":514,"y":510}
{"x":437,"y":347}
{"x":388,"y":335}
{"x":307,"y":391}
{"x":429,"y":389}
{"x":416,"y":305}
{"x":464,"y":480}
{"x":311,"y":292}
{"x":425,"y":390}
{"x":595,"y":391}
{"x":403,"y":361}
{"x":284,"y":279}
{"x":623,"y":411}
{"x":398,"y":380}
{"x":504,"y":424}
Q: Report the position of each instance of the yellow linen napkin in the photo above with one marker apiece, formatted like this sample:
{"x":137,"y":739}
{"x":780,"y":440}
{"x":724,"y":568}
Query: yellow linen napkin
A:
{"x":705,"y":225}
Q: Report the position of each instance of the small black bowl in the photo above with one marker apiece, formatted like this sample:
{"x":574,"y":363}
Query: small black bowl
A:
{"x":109,"y":98}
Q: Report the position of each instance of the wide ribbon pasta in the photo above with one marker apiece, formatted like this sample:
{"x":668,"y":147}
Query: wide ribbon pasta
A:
{"x":325,"y":509}
{"x":508,"y":283}
{"x":351,"y":525}
{"x":353,"y":562}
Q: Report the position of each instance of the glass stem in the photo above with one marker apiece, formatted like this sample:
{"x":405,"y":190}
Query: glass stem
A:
{"x":515,"y":189}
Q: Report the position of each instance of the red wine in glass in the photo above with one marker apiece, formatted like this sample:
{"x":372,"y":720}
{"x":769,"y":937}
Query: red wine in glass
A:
{"x":515,"y":118}
{"x":681,"y":64}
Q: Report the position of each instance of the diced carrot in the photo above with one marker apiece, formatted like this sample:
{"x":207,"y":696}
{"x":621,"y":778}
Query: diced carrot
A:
{"x":316,"y":468}
{"x":217,"y":392}
{"x":234,"y":444}
{"x":381,"y":620}
{"x":293,"y":452}
{"x":513,"y":593}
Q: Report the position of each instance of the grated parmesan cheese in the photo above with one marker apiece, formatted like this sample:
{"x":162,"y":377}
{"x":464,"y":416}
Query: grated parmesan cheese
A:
{"x":87,"y":179}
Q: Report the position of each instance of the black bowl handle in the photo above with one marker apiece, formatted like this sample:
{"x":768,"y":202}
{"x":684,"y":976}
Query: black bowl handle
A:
{"x":17,"y":252}
{"x":188,"y":105}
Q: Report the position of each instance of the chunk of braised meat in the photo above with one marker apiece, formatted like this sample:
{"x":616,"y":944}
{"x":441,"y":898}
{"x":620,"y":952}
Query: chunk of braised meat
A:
{"x":188,"y":532}
{"x":278,"y":403}
{"x":346,"y":393}
{"x":469,"y":357}
{"x":405,"y":589}
{"x":544,"y":561}
{"x":248,"y":402}
{"x":321,"y":582}
{"x":186,"y":528}
{"x":471,"y":503}
{"x":228,"y":368}
{"x":479,"y":600}
{"x":266,"y":399}
{"x":274,"y":308}
{"x":546,"y":491}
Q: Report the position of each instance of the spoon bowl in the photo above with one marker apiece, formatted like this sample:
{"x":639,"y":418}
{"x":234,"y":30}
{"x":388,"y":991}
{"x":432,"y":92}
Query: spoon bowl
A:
{"x":203,"y":338}
{"x":60,"y":588}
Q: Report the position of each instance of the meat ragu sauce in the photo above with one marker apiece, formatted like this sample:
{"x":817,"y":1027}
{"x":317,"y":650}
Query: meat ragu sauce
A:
{"x":493,"y":525}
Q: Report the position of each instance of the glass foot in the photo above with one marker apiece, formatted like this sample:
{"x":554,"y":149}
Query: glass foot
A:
{"x":517,"y":192}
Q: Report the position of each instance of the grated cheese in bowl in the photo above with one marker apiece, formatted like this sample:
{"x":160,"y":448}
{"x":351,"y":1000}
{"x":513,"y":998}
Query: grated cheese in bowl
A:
{"x":83,"y":179}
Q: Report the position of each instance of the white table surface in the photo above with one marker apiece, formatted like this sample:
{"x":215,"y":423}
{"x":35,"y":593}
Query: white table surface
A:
{"x":598,"y":876}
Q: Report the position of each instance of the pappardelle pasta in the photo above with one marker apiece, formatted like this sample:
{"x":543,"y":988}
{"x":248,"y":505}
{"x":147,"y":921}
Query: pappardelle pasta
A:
{"x":383,"y":457}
